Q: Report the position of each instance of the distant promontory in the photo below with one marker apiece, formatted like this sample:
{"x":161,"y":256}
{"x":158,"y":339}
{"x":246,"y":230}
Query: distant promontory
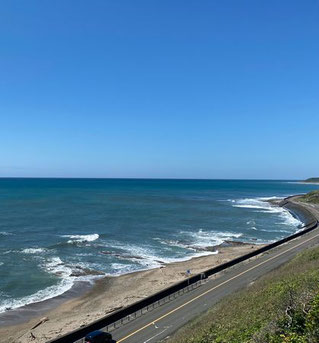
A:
{"x":312,"y":180}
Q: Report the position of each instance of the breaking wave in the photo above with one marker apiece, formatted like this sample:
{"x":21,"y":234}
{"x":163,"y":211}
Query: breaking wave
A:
{"x":5,"y":233}
{"x":263,"y":206}
{"x":82,"y":238}
{"x":55,"y":266}
{"x":200,"y":240}
{"x":33,"y":250}
{"x":44,"y":294}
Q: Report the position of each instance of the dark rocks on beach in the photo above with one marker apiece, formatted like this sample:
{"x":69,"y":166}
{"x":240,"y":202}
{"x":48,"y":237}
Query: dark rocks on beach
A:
{"x":80,"y":271}
{"x":42,"y":320}
{"x":275,"y":202}
{"x":200,"y":248}
{"x":106,"y":252}
{"x":211,"y":249}
{"x":111,"y":253}
{"x":58,"y":273}
{"x":121,"y":256}
{"x":234,"y":244}
{"x":226,"y":243}
{"x":132,"y":257}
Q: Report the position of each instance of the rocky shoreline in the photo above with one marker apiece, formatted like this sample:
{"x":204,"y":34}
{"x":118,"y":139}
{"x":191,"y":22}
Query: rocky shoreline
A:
{"x":107,"y":295}
{"x":112,"y":293}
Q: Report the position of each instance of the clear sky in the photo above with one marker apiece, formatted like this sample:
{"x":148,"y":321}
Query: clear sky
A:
{"x":167,"y":88}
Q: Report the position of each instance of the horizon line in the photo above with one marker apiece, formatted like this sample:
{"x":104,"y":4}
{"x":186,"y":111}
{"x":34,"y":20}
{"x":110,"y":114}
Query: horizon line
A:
{"x":145,"y":178}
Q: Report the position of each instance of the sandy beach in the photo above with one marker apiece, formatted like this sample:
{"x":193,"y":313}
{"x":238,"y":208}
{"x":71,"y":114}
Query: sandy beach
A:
{"x":85,"y":304}
{"x":111,"y":293}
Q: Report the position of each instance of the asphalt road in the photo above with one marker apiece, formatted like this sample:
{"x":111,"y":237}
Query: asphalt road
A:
{"x":163,"y":321}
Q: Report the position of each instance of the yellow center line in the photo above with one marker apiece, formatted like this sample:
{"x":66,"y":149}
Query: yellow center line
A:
{"x":212,"y":289}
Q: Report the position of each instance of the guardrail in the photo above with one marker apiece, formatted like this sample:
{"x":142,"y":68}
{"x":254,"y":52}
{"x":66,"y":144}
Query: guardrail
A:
{"x":139,"y":313}
{"x":137,"y":309}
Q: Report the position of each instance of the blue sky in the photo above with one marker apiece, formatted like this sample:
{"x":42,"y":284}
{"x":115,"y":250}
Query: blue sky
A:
{"x":186,"y":89}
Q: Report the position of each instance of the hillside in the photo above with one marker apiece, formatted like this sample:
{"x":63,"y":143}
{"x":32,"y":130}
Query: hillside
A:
{"x":311,"y":197}
{"x":280,"y":307}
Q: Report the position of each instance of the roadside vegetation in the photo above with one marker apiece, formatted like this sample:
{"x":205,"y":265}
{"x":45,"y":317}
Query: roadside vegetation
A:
{"x":311,"y":197}
{"x":282,"y":307}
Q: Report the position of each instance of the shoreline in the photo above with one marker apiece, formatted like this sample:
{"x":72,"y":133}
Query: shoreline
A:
{"x":295,"y":208}
{"x":79,"y":307}
{"x":81,"y":287}
{"x":107,"y":295}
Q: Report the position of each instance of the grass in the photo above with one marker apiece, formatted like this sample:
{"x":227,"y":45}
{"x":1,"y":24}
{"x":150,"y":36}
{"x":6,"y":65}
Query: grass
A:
{"x":280,"y":307}
{"x":312,"y":197}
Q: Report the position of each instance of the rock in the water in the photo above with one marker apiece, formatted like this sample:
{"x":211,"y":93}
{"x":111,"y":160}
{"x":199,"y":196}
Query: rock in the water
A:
{"x":234,"y":243}
{"x":121,"y":256}
{"x":80,"y":271}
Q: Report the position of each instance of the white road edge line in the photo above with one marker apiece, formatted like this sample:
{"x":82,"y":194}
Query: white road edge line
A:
{"x":155,"y":336}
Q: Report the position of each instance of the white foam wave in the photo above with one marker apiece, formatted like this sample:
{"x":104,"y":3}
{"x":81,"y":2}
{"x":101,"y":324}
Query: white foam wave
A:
{"x":120,"y":269}
{"x":82,"y":238}
{"x":249,"y":206}
{"x":270,"y":198}
{"x":175,"y":243}
{"x":56,"y":266}
{"x":84,"y":254}
{"x":53,"y":265}
{"x":143,"y":256}
{"x":272,"y":230}
{"x":44,"y":294}
{"x":33,"y":250}
{"x":5,"y":233}
{"x":262,"y":206}
{"x":257,"y":203}
{"x":204,"y":239}
{"x":199,"y":240}
{"x":188,"y":257}
{"x":289,"y":219}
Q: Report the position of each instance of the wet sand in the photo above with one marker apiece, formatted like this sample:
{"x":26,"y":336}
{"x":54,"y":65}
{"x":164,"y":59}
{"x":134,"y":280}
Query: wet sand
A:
{"x":107,"y":295}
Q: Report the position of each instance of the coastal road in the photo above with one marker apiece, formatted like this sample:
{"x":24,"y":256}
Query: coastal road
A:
{"x":162,"y":322}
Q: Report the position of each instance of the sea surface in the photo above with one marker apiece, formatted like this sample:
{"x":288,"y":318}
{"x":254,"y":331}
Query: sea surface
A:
{"x":55,"y":232}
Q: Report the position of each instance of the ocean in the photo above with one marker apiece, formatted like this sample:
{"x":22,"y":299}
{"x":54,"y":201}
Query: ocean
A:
{"x":55,"y":232}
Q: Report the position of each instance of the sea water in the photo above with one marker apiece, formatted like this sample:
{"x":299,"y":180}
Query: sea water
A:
{"x":55,"y":232}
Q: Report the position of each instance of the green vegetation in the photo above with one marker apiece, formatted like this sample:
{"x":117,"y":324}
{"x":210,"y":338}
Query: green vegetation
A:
{"x":312,"y":197}
{"x":313,"y":179}
{"x":282,"y":307}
